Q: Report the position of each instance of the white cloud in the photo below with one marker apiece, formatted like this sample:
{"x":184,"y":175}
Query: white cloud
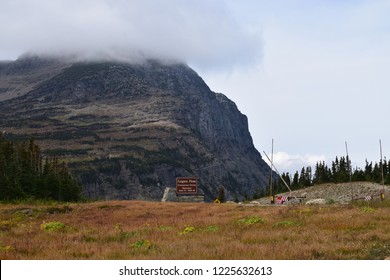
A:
{"x":203,"y":33}
{"x":285,"y":162}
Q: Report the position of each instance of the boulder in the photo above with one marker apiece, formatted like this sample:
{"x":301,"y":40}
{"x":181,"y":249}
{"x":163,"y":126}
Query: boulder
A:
{"x":317,"y":201}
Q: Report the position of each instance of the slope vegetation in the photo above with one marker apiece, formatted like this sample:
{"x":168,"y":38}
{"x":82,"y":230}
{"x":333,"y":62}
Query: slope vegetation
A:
{"x":128,"y":130}
{"x":155,"y":230}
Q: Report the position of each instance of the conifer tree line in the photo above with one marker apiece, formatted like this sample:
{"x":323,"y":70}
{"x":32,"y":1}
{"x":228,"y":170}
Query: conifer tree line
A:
{"x":338,"y":172}
{"x":25,"y":173}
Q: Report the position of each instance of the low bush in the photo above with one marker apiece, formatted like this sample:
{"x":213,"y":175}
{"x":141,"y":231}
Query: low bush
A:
{"x":52,"y":226}
{"x":252,"y":220}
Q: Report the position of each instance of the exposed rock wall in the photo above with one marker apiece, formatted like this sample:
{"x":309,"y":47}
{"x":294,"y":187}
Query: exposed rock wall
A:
{"x":127,"y":131}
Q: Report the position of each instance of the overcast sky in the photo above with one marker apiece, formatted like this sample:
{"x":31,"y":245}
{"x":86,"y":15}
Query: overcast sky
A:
{"x":309,"y":74}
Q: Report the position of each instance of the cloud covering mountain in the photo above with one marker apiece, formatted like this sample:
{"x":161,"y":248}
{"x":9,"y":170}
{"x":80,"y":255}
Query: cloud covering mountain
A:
{"x":203,"y":33}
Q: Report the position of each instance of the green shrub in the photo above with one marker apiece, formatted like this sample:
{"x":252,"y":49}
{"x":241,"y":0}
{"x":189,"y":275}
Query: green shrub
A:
{"x":331,"y":201}
{"x":6,"y":248}
{"x":211,"y":228}
{"x":188,"y":229}
{"x":52,"y":226}
{"x":164,"y":228}
{"x":367,"y":209}
{"x":252,"y":220}
{"x":142,"y":244}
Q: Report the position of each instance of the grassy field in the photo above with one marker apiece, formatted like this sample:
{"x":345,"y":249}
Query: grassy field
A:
{"x":154,"y":230}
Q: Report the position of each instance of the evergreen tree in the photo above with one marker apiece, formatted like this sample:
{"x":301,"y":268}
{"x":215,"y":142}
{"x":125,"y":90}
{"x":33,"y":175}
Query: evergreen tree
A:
{"x":221,"y":194}
{"x":368,"y":171}
{"x":305,"y":177}
{"x":335,"y":170}
{"x":281,"y":187}
{"x":22,"y":175}
{"x":322,"y":173}
{"x":295,"y":182}
{"x":376,"y":174}
{"x":358,"y":175}
{"x":384,"y":169}
{"x":340,"y":172}
{"x":309,"y":176}
{"x":287,"y":179}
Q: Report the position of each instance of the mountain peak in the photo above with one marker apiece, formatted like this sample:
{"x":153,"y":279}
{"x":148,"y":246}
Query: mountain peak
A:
{"x":128,"y":130}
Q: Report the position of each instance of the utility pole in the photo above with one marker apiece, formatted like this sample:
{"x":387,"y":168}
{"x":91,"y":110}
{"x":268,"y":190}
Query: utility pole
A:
{"x":277,"y":172}
{"x":349,"y":169}
{"x":383,"y":177}
{"x":271,"y":181}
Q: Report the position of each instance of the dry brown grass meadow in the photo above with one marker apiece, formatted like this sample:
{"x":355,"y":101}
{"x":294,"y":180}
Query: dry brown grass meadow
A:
{"x":155,"y":230}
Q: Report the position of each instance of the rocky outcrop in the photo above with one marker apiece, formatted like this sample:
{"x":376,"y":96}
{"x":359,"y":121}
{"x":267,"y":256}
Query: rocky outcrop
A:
{"x":171,"y":196}
{"x":128,"y":130}
{"x":334,"y":193}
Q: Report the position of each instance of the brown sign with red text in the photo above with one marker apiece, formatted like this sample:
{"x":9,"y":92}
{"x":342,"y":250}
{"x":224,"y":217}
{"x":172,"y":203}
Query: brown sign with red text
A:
{"x":186,"y":185}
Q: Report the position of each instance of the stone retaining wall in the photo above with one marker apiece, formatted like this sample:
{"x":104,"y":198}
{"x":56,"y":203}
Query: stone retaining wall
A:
{"x":171,"y":196}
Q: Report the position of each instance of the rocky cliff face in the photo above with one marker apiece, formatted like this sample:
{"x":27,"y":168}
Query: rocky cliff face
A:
{"x":128,"y":130}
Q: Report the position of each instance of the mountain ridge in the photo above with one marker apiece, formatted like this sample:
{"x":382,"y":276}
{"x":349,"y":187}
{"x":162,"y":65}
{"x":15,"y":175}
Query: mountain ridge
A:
{"x":128,"y":130}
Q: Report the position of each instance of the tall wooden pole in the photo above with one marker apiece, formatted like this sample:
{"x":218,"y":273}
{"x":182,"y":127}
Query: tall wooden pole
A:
{"x":277,"y":172}
{"x":271,"y":180}
{"x":349,"y":169}
{"x":383,"y":177}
